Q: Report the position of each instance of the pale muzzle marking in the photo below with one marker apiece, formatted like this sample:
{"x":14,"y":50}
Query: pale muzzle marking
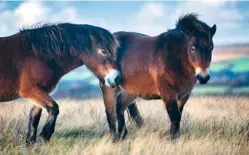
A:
{"x":203,"y":73}
{"x":110,"y":77}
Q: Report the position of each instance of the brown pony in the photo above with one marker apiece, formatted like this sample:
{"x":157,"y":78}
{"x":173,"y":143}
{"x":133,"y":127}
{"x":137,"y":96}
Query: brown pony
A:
{"x":162,"y":67}
{"x":33,"y":61}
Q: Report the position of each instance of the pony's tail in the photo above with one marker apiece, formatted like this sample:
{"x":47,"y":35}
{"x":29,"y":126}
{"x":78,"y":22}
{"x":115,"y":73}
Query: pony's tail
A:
{"x":134,"y":115}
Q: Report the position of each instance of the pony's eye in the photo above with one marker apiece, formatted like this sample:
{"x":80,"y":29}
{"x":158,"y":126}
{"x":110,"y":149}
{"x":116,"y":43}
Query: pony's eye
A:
{"x":211,"y":48}
{"x":192,"y":49}
{"x":102,"y":51}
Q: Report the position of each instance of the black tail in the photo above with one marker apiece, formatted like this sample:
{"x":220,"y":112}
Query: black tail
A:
{"x":134,"y":114}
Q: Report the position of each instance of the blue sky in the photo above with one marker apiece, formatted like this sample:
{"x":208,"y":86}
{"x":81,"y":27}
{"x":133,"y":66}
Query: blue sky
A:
{"x":152,"y":18}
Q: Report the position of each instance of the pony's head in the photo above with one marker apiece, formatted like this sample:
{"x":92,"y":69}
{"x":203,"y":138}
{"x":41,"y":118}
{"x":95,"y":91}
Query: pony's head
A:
{"x":101,"y":62}
{"x":101,"y":57}
{"x":200,"y":45}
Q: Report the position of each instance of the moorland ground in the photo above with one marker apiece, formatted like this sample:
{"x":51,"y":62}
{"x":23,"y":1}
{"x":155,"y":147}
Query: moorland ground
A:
{"x":210,"y":125}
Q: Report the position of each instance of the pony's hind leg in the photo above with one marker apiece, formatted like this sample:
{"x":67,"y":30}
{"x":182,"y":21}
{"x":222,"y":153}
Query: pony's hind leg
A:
{"x":135,"y":114}
{"x":49,"y":127}
{"x":41,"y":98}
{"x":34,"y":118}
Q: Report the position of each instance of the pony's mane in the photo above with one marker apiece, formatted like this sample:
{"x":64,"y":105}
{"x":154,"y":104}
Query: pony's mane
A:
{"x":50,"y":41}
{"x":190,"y":23}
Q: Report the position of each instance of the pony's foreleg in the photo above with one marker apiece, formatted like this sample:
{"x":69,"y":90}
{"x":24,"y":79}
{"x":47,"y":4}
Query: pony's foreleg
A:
{"x":135,"y":114}
{"x":181,"y":102}
{"x":109,"y":97}
{"x":175,"y":117}
{"x":123,"y":101}
{"x":174,"y":114}
{"x":34,"y":118}
{"x":42,"y":99}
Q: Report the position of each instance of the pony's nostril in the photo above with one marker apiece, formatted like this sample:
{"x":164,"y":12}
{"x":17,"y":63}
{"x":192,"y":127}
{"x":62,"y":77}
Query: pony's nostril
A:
{"x":198,"y":77}
{"x":118,"y":80}
{"x":208,"y":77}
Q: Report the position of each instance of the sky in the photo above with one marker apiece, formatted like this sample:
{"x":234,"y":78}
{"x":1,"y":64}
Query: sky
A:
{"x":151,"y":18}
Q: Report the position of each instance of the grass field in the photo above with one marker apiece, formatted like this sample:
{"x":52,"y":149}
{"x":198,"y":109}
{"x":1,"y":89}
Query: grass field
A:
{"x":210,"y":125}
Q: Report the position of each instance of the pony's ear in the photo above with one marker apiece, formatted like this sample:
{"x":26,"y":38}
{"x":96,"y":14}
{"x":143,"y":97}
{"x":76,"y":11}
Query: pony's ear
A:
{"x":213,"y":30}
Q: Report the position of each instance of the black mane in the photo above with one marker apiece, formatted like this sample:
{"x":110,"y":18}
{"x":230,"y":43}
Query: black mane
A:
{"x":50,"y":41}
{"x":190,"y":23}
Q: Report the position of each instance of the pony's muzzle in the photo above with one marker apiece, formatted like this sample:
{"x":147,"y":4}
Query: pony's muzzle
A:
{"x":113,"y":78}
{"x":202,"y":76}
{"x":203,"y":79}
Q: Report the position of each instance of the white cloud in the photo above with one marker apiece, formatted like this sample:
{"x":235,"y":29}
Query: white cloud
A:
{"x":66,"y":14}
{"x":150,"y":11}
{"x":7,"y":23}
{"x":31,"y":12}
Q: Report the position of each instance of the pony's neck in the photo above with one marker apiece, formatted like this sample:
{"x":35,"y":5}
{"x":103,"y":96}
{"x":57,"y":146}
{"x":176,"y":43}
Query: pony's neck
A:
{"x":67,"y":64}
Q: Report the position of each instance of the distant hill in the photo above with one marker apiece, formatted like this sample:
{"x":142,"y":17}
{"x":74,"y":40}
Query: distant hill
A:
{"x":229,"y":52}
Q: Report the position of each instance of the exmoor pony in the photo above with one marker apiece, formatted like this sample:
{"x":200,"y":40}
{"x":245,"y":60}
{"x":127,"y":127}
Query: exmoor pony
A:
{"x":33,"y":60}
{"x":163,"y":67}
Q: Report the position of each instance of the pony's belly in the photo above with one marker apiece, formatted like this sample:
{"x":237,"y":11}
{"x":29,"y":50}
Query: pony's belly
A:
{"x":8,"y":89}
{"x":152,"y":97}
{"x":8,"y":94}
{"x":141,"y":86}
{"x":5,"y":98}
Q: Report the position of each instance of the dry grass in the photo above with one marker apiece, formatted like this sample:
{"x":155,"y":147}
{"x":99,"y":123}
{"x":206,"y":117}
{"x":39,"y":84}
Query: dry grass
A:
{"x":210,"y":125}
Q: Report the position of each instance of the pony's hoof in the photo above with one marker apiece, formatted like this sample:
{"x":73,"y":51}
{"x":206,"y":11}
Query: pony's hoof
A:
{"x":46,"y":136}
{"x":119,"y":137}
{"x":139,"y":122}
{"x":30,"y":140}
{"x":30,"y":143}
{"x":116,"y":138}
{"x":169,"y":136}
{"x":174,"y":136}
